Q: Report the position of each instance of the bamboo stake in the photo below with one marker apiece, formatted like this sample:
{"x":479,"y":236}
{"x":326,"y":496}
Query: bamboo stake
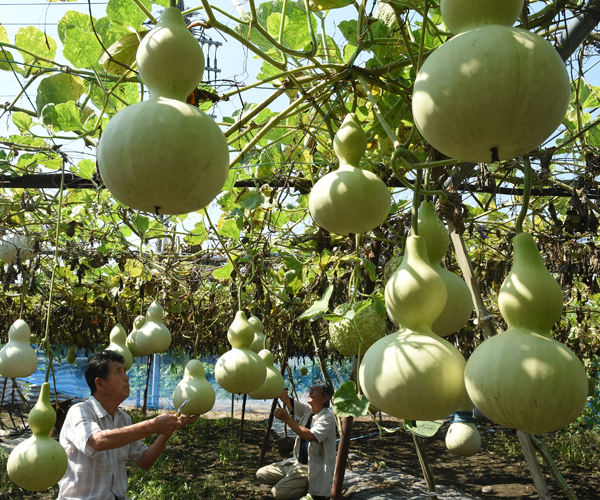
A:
{"x":341,"y":459}
{"x":149,"y":367}
{"x":536,"y":471}
{"x":427,"y":473}
{"x":553,"y":468}
{"x":242,"y":417}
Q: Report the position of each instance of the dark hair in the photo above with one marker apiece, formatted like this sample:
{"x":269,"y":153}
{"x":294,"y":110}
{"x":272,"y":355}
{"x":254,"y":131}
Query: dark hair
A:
{"x":98,"y":366}
{"x":326,"y":389}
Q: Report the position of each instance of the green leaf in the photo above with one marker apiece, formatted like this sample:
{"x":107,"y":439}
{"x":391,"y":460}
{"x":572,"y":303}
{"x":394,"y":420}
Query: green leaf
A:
{"x":229,"y":228}
{"x":57,"y":89}
{"x":141,"y":223}
{"x":423,"y":428}
{"x":122,"y":51}
{"x":162,"y":3}
{"x":319,"y":306}
{"x":74,"y":19}
{"x":251,"y":200}
{"x":197,"y":236}
{"x":22,"y":120}
{"x":371,"y":269}
{"x":5,"y":55}
{"x":347,"y":403}
{"x":82,"y":48}
{"x":36,"y":41}
{"x":85,"y":168}
{"x":134,"y":268}
{"x":223,"y":273}
{"x":66,"y":117}
{"x":379,"y":303}
{"x":127,"y":13}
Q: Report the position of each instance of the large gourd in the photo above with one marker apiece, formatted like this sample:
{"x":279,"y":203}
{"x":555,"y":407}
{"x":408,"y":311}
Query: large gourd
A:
{"x":349,"y":200}
{"x":38,"y":462}
{"x":464,"y":15}
{"x":131,"y":343}
{"x":370,"y":324}
{"x":17,"y":357}
{"x":414,"y":374}
{"x":195,"y":386}
{"x":492,"y":93}
{"x":463,"y":438}
{"x":240,"y":370}
{"x":523,"y":378}
{"x":154,"y":337}
{"x":118,"y":344}
{"x":273,"y":385}
{"x":163,"y":155}
{"x":459,"y":304}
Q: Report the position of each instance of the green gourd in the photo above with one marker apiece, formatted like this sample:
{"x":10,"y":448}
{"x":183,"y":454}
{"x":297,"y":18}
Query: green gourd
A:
{"x":154,"y":337}
{"x":195,"y":386}
{"x":523,"y":378}
{"x":273,"y":385}
{"x":350,"y":199}
{"x":464,"y":15}
{"x":260,"y":342}
{"x":371,"y":326}
{"x":131,"y":344}
{"x":38,"y":462}
{"x":492,"y":93}
{"x":240,"y":370}
{"x":148,"y":155}
{"x":17,"y":358}
{"x":459,"y":305}
{"x":118,"y":340}
{"x":414,"y":374}
{"x":463,"y":438}
{"x":71,"y":356}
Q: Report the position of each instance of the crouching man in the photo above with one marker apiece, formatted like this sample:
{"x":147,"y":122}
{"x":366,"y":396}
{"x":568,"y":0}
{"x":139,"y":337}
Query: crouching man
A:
{"x":311,"y":468}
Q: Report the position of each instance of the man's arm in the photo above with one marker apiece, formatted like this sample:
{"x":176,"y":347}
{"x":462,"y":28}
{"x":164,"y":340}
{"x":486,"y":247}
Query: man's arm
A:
{"x":301,"y":431}
{"x":151,"y":455}
{"x":285,"y":399}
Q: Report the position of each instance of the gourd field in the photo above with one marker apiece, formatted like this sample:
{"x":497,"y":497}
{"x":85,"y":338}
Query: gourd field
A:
{"x":409,"y":186}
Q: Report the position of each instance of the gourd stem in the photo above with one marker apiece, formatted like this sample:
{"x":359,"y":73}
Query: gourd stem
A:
{"x":396,"y":158}
{"x":422,"y":41}
{"x":281,"y":26}
{"x":237,"y":271}
{"x":54,"y":266}
{"x":172,"y":3}
{"x":414,"y":214}
{"x":526,"y":193}
{"x":377,"y":112}
{"x":143,"y":8}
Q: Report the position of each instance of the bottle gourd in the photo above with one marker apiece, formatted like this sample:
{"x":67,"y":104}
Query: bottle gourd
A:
{"x":163,"y":155}
{"x":154,"y":337}
{"x":38,"y":462}
{"x":465,"y":15}
{"x":195,"y":386}
{"x":17,"y":357}
{"x":273,"y":385}
{"x":118,"y":340}
{"x":523,"y":378}
{"x":131,"y":343}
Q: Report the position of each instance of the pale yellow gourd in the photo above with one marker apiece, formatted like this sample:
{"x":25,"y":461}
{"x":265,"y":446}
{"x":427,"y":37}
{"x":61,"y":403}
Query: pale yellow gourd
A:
{"x":350,"y":199}
{"x":154,"y":337}
{"x":273,"y":385}
{"x":195,"y":386}
{"x":240,"y":370}
{"x":131,"y":344}
{"x":17,"y":357}
{"x":464,"y":15}
{"x":118,"y":339}
{"x":463,"y":438}
{"x":15,"y":247}
{"x":40,"y":461}
{"x":260,"y":342}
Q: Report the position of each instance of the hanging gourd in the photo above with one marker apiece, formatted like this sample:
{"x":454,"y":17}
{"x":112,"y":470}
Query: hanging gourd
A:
{"x":273,"y":385}
{"x":240,"y":370}
{"x":71,"y":356}
{"x":131,"y":344}
{"x":349,"y":200}
{"x":463,"y":438}
{"x":154,"y":336}
{"x":15,"y":247}
{"x":459,"y":304}
{"x":195,"y":386}
{"x":370,"y":324}
{"x":163,"y":155}
{"x":40,"y":461}
{"x":17,"y":357}
{"x":414,"y":374}
{"x":259,"y":342}
{"x":118,"y":340}
{"x":465,"y":15}
{"x":489,"y":94}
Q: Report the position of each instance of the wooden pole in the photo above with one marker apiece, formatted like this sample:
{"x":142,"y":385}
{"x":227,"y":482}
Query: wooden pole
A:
{"x":242,"y":417}
{"x":342,"y":458}
{"x":149,"y":367}
{"x":536,"y":471}
{"x":427,"y":474}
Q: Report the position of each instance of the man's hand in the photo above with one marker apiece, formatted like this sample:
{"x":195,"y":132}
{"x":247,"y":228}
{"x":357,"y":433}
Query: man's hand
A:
{"x":169,"y":423}
{"x":283,"y":415}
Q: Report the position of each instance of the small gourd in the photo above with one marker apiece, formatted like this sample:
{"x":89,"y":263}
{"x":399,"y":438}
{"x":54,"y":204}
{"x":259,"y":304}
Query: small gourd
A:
{"x":40,"y":461}
{"x":459,"y":304}
{"x":350,"y":199}
{"x":154,"y":337}
{"x":195,"y":386}
{"x":463,"y":438}
{"x":260,"y":342}
{"x":240,"y":370}
{"x":71,"y":355}
{"x":118,"y":339}
{"x":522,"y":378}
{"x":464,"y":15}
{"x":15,"y":247}
{"x":370,"y":324}
{"x":131,"y":344}
{"x":273,"y":385}
{"x":17,"y":357}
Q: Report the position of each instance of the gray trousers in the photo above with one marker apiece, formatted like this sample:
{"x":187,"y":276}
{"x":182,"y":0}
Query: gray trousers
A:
{"x":289,"y":480}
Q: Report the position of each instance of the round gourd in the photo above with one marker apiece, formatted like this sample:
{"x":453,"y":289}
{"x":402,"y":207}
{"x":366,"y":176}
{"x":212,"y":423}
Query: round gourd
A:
{"x":15,"y":246}
{"x":490,"y":94}
{"x":163,"y":156}
{"x":71,"y":355}
{"x":526,"y":381}
{"x":463,"y":438}
{"x":530,"y":296}
{"x":464,"y":15}
{"x":118,"y":339}
{"x":38,"y":462}
{"x":131,"y":344}
{"x":154,"y":337}
{"x":371,"y":326}
{"x":273,"y":385}
{"x":17,"y":358}
{"x":195,"y":386}
{"x":349,"y":200}
{"x":413,"y":376}
{"x":170,"y":60}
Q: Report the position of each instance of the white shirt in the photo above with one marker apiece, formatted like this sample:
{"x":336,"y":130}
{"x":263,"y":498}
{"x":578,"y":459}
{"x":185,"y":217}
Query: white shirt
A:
{"x":321,"y":453}
{"x":95,"y":475}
